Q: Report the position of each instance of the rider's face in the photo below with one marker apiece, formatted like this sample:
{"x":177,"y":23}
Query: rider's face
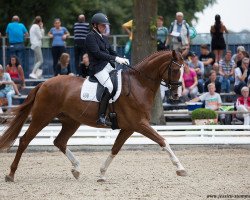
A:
{"x":101,"y":28}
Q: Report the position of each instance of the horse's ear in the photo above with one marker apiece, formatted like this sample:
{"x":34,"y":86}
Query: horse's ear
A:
{"x":174,"y":54}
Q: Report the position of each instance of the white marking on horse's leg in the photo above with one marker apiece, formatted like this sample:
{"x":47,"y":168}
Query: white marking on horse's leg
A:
{"x":104,"y":167}
{"x":76,"y":170}
{"x":180,"y":169}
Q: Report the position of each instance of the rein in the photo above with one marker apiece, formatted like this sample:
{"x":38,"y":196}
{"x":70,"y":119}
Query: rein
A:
{"x":170,"y":83}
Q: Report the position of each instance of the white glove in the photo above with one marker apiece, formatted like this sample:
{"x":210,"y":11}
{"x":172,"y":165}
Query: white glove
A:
{"x":122,"y":61}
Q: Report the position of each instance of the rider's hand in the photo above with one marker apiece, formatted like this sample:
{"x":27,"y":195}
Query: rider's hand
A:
{"x":122,"y":61}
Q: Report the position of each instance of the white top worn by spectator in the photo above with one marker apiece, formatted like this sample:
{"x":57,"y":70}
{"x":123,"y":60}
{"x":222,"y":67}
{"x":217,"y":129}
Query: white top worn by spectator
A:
{"x":211,"y":101}
{"x":36,"y":35}
{"x":237,"y":74}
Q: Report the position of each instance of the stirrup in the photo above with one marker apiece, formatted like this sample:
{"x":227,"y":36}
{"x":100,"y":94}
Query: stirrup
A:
{"x":103,"y":120}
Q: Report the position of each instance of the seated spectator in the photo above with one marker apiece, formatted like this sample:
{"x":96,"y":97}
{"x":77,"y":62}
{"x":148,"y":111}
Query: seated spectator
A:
{"x":239,"y":55}
{"x":190,"y":82}
{"x":243,"y":104}
{"x":208,"y":59}
{"x":226,"y":71}
{"x":63,"y":67}
{"x":6,"y":86}
{"x":84,"y":66}
{"x":241,"y":76}
{"x":15,"y":71}
{"x":212,"y":100}
{"x":212,"y":79}
{"x":198,"y":66}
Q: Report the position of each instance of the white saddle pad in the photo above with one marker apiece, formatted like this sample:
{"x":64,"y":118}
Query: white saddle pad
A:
{"x":88,"y":92}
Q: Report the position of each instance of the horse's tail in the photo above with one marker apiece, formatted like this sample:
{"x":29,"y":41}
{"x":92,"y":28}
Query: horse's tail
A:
{"x":21,"y":114}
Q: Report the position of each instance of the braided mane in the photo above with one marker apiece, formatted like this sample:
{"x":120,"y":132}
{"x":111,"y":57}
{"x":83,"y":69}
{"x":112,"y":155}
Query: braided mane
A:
{"x":151,"y":56}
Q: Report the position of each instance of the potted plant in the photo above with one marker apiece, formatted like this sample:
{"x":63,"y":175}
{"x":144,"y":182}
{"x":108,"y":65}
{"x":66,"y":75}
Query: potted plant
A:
{"x":202,"y":116}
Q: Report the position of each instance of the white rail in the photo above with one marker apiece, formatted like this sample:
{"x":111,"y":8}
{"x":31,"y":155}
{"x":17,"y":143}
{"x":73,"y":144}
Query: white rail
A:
{"x":186,"y":134}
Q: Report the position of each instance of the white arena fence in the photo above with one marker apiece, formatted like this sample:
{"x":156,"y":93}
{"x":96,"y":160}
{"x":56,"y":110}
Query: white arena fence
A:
{"x":180,"y":135}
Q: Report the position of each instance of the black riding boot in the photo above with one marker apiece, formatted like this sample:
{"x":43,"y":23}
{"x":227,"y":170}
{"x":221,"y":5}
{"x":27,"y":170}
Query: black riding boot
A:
{"x":102,"y":109}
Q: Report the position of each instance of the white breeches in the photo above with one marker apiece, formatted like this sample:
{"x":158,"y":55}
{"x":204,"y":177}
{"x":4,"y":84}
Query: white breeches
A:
{"x":245,"y":116}
{"x":103,"y":77}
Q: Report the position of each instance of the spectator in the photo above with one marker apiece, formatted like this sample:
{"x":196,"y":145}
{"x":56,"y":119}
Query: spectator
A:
{"x":63,"y":67}
{"x":240,"y":75}
{"x":162,"y":33}
{"x":128,"y":28}
{"x":238,"y":55}
{"x":81,"y":29}
{"x":84,"y":66}
{"x":212,"y":100}
{"x":212,"y":79}
{"x":226,"y":71}
{"x":190,"y":82}
{"x":218,"y":43}
{"x":208,"y":59}
{"x":6,"y":86}
{"x":36,"y":35}
{"x":59,"y":35}
{"x":198,"y":66}
{"x":179,"y":35}
{"x":243,"y":104}
{"x":16,"y":32}
{"x":15,"y":70}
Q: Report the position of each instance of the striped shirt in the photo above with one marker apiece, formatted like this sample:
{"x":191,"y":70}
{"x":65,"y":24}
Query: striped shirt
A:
{"x":80,"y":31}
{"x":227,"y":66}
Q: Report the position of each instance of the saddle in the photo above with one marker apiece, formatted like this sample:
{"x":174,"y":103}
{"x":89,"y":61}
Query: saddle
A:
{"x":92,"y":90}
{"x":100,"y":88}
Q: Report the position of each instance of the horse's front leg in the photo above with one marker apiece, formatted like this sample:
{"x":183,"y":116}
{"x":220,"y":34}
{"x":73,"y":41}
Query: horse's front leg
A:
{"x":120,"y":140}
{"x":146,"y":130}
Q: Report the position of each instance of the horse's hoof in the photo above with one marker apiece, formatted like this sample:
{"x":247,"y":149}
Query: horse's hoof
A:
{"x":9,"y":178}
{"x":181,"y":172}
{"x":75,"y":173}
{"x":102,"y":179}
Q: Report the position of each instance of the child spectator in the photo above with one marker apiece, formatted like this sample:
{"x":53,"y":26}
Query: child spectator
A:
{"x":6,"y":86}
{"x":84,"y":66}
{"x":243,"y":104}
{"x":212,"y":100}
{"x":63,"y":67}
{"x":212,"y":79}
{"x":15,"y":71}
{"x":190,"y":82}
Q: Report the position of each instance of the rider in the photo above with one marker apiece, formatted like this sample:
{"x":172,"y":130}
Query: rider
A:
{"x":101,"y":57}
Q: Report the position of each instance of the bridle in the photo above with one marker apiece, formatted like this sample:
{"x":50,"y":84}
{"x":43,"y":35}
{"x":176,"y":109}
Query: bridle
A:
{"x":170,"y":84}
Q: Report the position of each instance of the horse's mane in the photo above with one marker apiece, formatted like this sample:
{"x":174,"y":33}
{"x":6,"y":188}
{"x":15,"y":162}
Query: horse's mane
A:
{"x":151,"y":56}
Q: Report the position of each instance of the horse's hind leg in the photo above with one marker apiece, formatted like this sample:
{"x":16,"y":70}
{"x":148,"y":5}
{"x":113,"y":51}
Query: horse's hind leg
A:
{"x":149,"y":132}
{"x":120,"y":140}
{"x":69,"y":127}
{"x":35,"y":127}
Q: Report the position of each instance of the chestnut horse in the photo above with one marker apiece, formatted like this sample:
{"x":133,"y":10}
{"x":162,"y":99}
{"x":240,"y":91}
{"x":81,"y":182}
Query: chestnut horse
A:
{"x":60,"y":97}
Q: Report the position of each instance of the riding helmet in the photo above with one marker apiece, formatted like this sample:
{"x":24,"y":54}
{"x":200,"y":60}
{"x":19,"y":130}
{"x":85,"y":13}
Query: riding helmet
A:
{"x":99,"y":18}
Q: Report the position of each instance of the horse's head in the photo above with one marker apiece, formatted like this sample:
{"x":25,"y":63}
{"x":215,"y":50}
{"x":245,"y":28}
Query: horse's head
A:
{"x":171,"y":74}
